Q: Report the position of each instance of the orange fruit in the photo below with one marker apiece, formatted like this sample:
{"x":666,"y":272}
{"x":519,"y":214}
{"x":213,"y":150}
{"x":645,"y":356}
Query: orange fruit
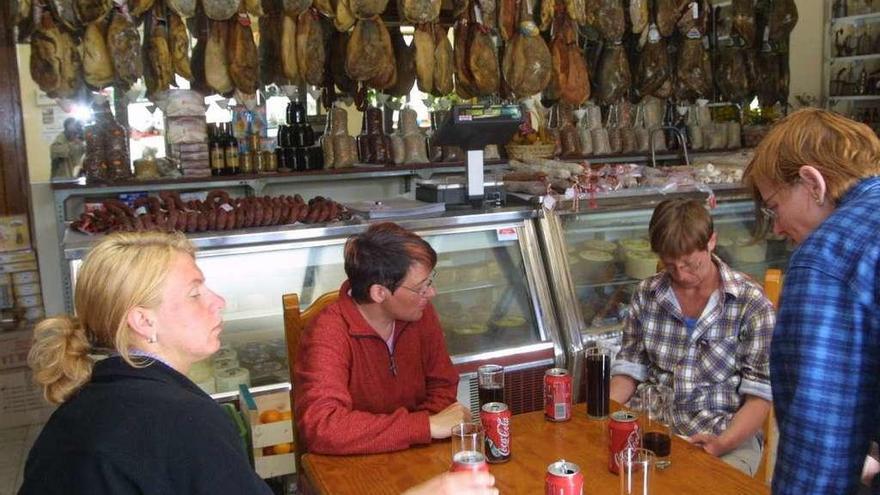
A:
{"x":286,"y":415}
{"x":282,"y":448}
{"x":270,"y":416}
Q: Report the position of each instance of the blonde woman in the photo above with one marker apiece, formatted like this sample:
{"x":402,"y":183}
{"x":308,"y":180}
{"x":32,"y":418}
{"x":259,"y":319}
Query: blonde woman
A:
{"x":133,"y":423}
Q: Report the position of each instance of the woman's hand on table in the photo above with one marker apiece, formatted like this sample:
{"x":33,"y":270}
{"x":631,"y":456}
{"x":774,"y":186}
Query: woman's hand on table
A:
{"x":710,"y":443}
{"x":442,"y":422}
{"x":461,"y":483}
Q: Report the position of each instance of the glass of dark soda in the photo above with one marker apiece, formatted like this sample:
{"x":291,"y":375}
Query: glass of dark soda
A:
{"x":654,"y":403}
{"x":598,"y":382}
{"x":491,"y":383}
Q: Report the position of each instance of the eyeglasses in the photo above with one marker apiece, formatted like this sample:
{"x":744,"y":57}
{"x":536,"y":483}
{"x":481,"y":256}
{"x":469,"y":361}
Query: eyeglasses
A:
{"x":688,"y":266}
{"x":768,"y":212}
{"x":423,"y":292}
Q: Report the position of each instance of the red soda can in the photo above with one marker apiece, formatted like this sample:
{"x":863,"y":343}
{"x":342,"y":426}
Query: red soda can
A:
{"x":557,"y":394}
{"x":469,"y":460}
{"x":623,"y":432}
{"x":564,"y":478}
{"x":495,"y":417}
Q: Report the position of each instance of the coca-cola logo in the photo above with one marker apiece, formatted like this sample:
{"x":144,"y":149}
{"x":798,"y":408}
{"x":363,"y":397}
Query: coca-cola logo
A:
{"x":502,"y":448}
{"x":633,"y":440}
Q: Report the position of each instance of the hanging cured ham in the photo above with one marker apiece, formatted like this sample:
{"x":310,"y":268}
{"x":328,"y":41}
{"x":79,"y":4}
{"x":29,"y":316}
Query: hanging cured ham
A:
{"x":743,"y":22}
{"x":158,"y":66}
{"x":483,"y":61}
{"x":271,"y":25}
{"x":423,"y":41}
{"x":179,"y":37}
{"x":508,"y":18}
{"x":123,"y":43}
{"x":310,"y":50}
{"x":89,"y":11}
{"x":527,"y":63}
{"x":404,"y":56}
{"x":289,"y":65}
{"x":782,"y":19}
{"x":242,"y":53}
{"x":138,"y":8}
{"x":610,"y":20}
{"x":571,"y":80}
{"x":97,"y":65}
{"x":693,"y":77}
{"x":732,"y":80}
{"x":183,"y":8}
{"x":367,"y":51}
{"x":254,"y":7}
{"x":638,"y":15}
{"x":464,"y":80}
{"x":294,"y":8}
{"x":654,"y":71}
{"x":443,"y":63}
{"x":55,"y":64}
{"x":220,"y":10}
{"x":338,"y":47}
{"x":65,"y":14}
{"x":216,"y":62}
{"x":366,"y":9}
{"x":667,"y":14}
{"x":344,"y":19}
{"x":418,"y":11}
{"x":615,"y":78}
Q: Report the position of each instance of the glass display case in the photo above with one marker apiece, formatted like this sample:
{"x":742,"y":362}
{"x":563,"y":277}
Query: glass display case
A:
{"x":492,"y":296}
{"x":602,"y":255}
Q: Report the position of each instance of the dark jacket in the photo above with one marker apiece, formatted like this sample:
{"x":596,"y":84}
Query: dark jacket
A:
{"x":139,"y":430}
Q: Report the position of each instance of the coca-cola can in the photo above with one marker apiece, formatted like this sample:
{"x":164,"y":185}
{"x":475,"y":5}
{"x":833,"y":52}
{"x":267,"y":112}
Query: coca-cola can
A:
{"x":623,"y":432}
{"x":564,"y":478}
{"x":495,"y":417}
{"x":469,"y":460}
{"x":557,"y":395}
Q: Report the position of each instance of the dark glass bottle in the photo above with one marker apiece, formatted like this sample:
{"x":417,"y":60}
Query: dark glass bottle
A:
{"x":230,"y":148}
{"x":670,"y":121}
{"x":215,"y":148}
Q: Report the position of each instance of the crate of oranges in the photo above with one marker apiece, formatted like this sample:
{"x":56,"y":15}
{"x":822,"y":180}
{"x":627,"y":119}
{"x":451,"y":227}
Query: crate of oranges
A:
{"x":270,"y":420}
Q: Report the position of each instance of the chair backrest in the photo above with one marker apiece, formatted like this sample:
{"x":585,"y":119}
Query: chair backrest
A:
{"x":295,"y":322}
{"x":772,"y":288}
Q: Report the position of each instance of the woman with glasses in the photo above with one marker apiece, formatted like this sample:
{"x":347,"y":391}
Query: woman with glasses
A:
{"x":703,"y":330}
{"x":816,"y":174}
{"x":373,"y":373}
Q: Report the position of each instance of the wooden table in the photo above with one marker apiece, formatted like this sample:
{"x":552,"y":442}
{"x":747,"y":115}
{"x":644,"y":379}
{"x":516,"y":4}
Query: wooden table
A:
{"x":535,"y":443}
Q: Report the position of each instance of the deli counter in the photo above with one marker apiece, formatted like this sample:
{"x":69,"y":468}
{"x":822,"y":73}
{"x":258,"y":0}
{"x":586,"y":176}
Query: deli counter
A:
{"x":521,"y":287}
{"x":493,"y":299}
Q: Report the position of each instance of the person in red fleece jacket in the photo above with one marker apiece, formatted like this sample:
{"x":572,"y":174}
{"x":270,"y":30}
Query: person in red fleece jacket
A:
{"x":372,"y":373}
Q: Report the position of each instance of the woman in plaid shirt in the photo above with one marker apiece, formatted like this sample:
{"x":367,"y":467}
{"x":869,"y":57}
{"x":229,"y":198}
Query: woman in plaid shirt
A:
{"x":818,"y":176}
{"x":703,"y":330}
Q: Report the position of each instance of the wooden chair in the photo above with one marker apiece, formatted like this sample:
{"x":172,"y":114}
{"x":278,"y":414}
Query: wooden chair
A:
{"x":295,"y":322}
{"x":772,"y":287}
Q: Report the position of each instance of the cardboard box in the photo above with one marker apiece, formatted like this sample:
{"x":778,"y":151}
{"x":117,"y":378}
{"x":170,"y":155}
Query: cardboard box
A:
{"x":21,"y":401}
{"x":14,"y":233}
{"x":14,"y":347}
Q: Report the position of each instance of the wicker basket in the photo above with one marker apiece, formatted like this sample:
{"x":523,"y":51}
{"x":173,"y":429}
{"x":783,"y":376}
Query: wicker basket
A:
{"x":525,"y":151}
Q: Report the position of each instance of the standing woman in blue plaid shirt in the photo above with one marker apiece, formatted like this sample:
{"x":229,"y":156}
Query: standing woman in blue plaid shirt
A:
{"x":816,"y":174}
{"x":703,"y":330}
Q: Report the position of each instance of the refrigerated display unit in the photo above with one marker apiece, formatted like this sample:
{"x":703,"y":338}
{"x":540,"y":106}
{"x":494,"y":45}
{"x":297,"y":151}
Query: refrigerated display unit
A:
{"x":493,"y":297}
{"x":596,"y":256}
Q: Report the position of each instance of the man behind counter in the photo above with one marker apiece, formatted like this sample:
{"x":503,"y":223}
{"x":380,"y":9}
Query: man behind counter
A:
{"x":372,"y":373}
{"x":703,"y":330}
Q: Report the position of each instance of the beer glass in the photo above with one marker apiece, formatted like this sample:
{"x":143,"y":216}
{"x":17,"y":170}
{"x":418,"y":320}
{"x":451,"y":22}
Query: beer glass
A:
{"x":654,"y":403}
{"x":467,"y":447}
{"x":491,"y":383}
{"x":636,"y":471}
{"x":598,"y":382}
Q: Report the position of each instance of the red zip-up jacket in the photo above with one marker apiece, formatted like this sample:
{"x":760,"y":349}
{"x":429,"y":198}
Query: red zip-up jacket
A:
{"x":353,"y":396}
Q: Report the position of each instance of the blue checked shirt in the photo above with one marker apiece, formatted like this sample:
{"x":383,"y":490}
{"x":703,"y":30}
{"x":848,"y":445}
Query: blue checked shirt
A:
{"x":710,"y":370}
{"x":825,"y":357}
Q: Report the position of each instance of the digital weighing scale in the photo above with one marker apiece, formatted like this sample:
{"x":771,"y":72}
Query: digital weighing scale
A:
{"x":472,"y":127}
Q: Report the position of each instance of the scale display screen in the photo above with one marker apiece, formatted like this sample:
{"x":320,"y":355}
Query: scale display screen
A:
{"x":472,"y":127}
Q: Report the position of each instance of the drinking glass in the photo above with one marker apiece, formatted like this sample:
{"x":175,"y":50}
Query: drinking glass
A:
{"x":598,"y":382}
{"x":636,"y":471}
{"x":654,"y":403}
{"x":491,"y":383}
{"x":467,"y":447}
